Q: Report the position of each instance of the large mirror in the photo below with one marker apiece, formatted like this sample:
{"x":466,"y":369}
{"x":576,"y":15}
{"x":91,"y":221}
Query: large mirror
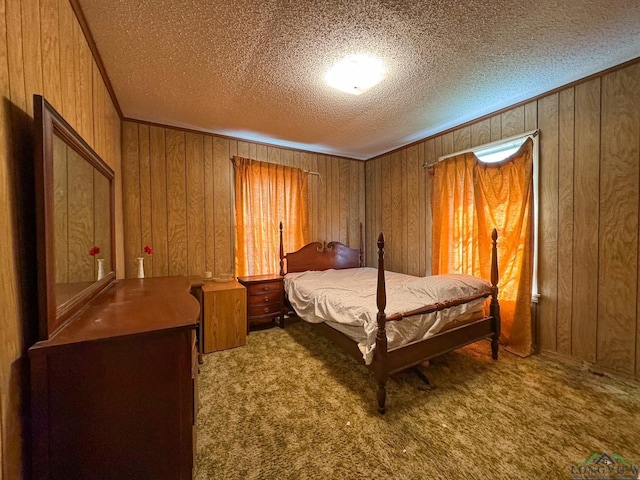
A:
{"x":75,"y":208}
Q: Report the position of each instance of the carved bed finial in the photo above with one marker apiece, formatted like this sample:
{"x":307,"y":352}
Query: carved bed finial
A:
{"x":281,"y":253}
{"x":361,"y":247}
{"x":494,"y":306}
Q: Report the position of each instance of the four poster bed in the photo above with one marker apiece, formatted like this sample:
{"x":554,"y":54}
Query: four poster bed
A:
{"x":327,"y":285}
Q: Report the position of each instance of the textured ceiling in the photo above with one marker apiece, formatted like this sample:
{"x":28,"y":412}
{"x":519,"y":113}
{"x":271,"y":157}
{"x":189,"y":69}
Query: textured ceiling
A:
{"x":254,"y":69}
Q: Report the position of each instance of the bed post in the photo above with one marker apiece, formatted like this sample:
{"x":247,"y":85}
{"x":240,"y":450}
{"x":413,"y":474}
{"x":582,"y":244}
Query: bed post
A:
{"x":361,"y":247}
{"x":381,"y":369}
{"x":281,"y":253}
{"x":494,"y":308}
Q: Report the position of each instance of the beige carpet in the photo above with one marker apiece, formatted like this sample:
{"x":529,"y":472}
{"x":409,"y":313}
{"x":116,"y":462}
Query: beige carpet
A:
{"x":290,"y":405}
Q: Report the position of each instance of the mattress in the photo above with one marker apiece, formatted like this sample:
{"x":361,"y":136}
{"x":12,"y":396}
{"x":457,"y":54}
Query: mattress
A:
{"x":346,"y":300}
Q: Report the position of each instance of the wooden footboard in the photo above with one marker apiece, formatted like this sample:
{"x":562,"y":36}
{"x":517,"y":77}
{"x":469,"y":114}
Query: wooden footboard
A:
{"x":385,"y":362}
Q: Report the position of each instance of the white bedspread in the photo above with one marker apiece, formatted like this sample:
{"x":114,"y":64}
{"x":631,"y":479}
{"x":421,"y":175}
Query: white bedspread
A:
{"x":346,"y":300}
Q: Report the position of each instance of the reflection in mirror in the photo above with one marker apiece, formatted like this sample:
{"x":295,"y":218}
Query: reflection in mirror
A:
{"x":75,"y":219}
{"x":82,"y":222}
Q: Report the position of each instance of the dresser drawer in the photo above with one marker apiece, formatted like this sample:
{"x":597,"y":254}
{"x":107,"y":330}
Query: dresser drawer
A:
{"x":259,"y":310}
{"x":265,"y":287}
{"x":267,"y":298}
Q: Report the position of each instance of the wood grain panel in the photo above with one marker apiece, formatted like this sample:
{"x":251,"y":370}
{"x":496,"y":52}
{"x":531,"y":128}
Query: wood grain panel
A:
{"x":404,"y":247}
{"x":146,"y":237}
{"x":618,"y":229}
{"x":31,"y":46}
{"x":131,"y":196}
{"x":412,"y":190}
{"x":496,"y":127}
{"x":386,"y":211}
{"x":262,"y":153}
{"x":287,"y":157}
{"x":380,"y":202}
{"x":243,"y":149}
{"x":352,"y":173}
{"x":81,"y":227}
{"x":176,"y":201}
{"x":61,"y":215}
{"x":530,"y":116}
{"x":512,"y":122}
{"x":333,"y":199}
{"x":447,"y":144}
{"x":394,"y":254}
{"x":98,"y":100}
{"x":565,"y":220}
{"x":345,"y":192}
{"x":195,"y":204}
{"x":371,"y":221}
{"x":50,"y":39}
{"x":480,"y":133}
{"x":273,"y":155}
{"x":66,"y":20}
{"x":548,"y":216}
{"x":102,"y":221}
{"x":222,"y":201}
{"x":14,"y":52}
{"x":586,"y":188}
{"x":424,"y":214}
{"x":314,"y":187}
{"x":462,"y":139}
{"x":158,"y":178}
{"x":84,"y":87}
{"x":361,"y":197}
{"x":208,"y":201}
{"x":430,"y":157}
{"x":321,"y":213}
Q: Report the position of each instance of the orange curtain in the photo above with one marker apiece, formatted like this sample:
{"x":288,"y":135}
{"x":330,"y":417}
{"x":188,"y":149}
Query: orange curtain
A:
{"x":265,"y":195}
{"x":470,"y":198}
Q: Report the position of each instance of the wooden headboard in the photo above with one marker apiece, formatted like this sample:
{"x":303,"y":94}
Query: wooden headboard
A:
{"x":321,"y":256}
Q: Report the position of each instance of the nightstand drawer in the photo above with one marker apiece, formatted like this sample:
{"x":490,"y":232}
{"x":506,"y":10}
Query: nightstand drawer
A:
{"x":262,"y":288}
{"x":265,"y":299}
{"x":268,"y":298}
{"x":255,"y":311}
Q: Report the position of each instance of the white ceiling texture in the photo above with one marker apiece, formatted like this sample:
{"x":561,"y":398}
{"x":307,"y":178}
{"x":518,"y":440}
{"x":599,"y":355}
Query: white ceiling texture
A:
{"x":254,"y":69}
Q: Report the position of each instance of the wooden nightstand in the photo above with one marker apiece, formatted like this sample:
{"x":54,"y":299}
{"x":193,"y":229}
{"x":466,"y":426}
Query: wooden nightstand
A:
{"x":265,"y":299}
{"x":224,"y":315}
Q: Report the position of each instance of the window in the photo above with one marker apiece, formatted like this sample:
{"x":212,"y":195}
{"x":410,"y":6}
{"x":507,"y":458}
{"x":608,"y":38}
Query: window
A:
{"x":469,"y":197}
{"x":498,"y":151}
{"x":265,"y":195}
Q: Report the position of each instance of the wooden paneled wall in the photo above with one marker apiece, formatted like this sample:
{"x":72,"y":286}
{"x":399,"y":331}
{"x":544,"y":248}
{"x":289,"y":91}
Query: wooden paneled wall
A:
{"x":42,"y":51}
{"x":589,"y":192}
{"x":178,"y":190}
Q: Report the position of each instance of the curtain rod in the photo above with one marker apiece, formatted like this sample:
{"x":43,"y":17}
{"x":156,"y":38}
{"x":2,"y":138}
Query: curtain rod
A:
{"x":531,"y":133}
{"x":305,"y":171}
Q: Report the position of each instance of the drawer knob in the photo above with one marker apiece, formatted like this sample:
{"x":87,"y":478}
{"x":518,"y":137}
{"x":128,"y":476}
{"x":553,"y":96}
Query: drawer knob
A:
{"x":266,"y":309}
{"x":265,"y":288}
{"x":266,"y":299}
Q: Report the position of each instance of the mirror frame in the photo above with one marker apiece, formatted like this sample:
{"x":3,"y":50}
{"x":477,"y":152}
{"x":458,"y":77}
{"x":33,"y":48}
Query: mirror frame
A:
{"x":47,"y":123}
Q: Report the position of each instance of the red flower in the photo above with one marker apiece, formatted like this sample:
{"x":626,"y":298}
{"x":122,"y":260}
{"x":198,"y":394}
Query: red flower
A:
{"x":148,"y":249}
{"x":93,"y":251}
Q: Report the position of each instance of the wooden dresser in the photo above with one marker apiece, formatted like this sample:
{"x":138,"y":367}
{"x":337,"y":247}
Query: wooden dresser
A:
{"x":114,"y":391}
{"x":265,"y":299}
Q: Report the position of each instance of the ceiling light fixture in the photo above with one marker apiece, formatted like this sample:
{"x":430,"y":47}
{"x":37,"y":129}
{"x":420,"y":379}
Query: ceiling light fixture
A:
{"x":355,"y":74}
